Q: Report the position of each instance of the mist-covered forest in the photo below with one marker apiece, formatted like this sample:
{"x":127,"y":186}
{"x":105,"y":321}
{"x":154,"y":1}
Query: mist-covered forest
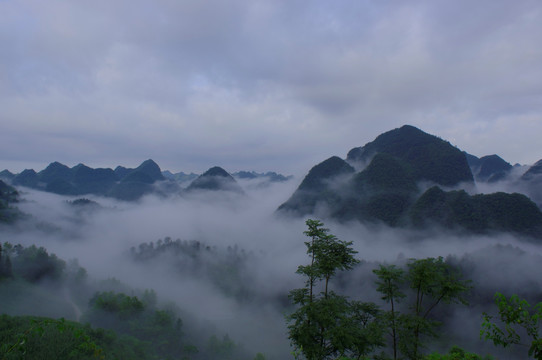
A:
{"x":210,"y":275}
{"x":408,"y":249}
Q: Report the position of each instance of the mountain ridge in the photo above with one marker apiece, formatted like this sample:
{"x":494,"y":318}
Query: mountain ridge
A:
{"x":408,"y":178}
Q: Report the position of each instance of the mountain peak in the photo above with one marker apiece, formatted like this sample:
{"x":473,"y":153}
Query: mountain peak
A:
{"x":327,"y":169}
{"x":533,"y":171}
{"x":431,"y":158}
{"x":150,"y":168}
{"x":216,"y":171}
{"x":215,"y":178}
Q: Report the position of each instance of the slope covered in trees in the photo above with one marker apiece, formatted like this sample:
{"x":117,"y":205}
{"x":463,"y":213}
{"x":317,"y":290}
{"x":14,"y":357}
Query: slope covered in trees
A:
{"x":391,"y":187}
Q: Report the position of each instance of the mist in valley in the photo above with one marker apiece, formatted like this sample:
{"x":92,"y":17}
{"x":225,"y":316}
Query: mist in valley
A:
{"x":236,"y":259}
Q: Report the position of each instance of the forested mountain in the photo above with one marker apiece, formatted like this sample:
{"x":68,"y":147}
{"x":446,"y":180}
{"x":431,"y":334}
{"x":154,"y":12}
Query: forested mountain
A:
{"x":215,"y":179}
{"x":428,"y":157}
{"x":105,"y":322}
{"x":407,"y":178}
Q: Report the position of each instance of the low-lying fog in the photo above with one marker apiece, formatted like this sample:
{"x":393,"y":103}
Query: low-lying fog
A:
{"x":271,"y":246}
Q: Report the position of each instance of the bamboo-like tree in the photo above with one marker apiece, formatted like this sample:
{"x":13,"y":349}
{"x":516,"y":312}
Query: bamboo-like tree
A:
{"x":432,"y":282}
{"x":325,"y":324}
{"x":390,"y":278}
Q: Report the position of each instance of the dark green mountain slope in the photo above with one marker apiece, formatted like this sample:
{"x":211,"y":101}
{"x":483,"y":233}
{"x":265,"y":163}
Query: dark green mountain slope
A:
{"x":381,"y":192}
{"x":430,"y":158}
{"x":317,"y":187}
{"x":8,"y":196}
{"x":386,"y":190}
{"x":480,"y":213}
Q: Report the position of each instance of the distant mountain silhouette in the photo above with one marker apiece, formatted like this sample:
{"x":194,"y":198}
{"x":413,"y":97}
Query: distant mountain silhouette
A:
{"x":490,"y":168}
{"x":180,"y":176}
{"x":270,"y":176}
{"x":215,"y":179}
{"x":128,"y":183}
{"x":135,"y":183}
{"x":27,"y":177}
{"x":534,"y":172}
{"x":121,"y":183}
{"x":6,"y":175}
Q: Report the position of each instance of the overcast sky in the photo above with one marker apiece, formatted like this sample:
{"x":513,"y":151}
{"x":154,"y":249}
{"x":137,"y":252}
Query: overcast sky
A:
{"x":263,"y":84}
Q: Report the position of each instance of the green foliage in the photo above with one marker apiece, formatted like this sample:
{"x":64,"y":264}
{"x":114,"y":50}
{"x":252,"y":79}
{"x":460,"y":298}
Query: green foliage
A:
{"x":432,"y":282}
{"x":511,"y":212}
{"x":514,"y":314}
{"x":383,"y":191}
{"x":325,"y":324}
{"x":227,"y":269}
{"x":6,"y":269}
{"x":429,"y":282}
{"x":8,"y":196}
{"x":34,"y":264}
{"x":479,"y":213}
{"x":222,"y":349}
{"x":122,"y":305}
{"x":456,"y":353}
{"x":259,"y":356}
{"x":390,"y":279}
{"x":27,"y":337}
{"x":159,"y":330}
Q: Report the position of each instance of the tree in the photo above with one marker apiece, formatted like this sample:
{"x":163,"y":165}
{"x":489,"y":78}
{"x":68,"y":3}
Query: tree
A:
{"x":432,"y":282}
{"x":327,"y":325}
{"x":457,"y":353}
{"x":514,"y":313}
{"x":5,"y":264}
{"x":389,"y":279}
{"x":7,"y":268}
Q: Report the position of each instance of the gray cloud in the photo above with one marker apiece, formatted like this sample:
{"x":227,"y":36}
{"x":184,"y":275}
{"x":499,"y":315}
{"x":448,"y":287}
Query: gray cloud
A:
{"x":267,"y":85}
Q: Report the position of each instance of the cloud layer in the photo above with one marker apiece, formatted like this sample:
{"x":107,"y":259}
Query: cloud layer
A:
{"x":262,"y":85}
